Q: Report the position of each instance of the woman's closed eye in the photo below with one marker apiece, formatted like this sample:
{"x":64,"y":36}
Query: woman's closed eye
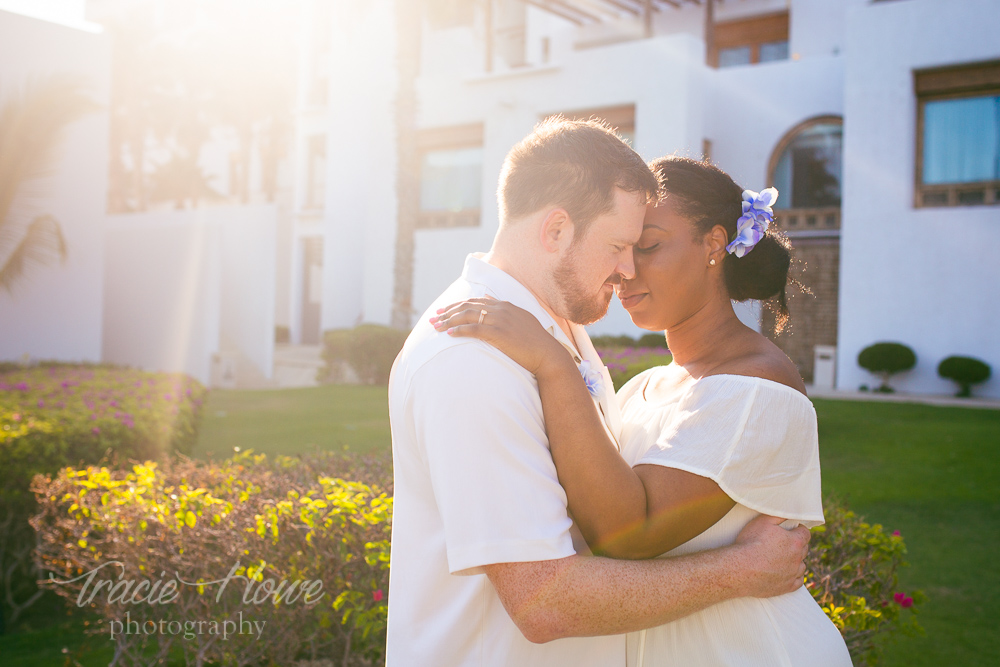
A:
{"x":648,"y":248}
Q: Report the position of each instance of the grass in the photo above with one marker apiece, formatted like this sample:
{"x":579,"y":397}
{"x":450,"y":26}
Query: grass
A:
{"x":289,"y":421}
{"x":933,"y":474}
{"x":930,"y":472}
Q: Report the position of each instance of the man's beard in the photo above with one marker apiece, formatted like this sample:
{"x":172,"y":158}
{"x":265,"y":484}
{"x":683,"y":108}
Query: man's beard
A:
{"x":579,"y":306}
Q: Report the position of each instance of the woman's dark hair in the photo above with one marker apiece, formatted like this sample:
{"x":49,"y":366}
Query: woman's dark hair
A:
{"x":708,"y":196}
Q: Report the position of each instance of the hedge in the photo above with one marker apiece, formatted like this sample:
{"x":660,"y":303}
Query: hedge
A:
{"x":57,"y":415}
{"x":369,"y":350}
{"x":298,"y":550}
{"x":325,"y":517}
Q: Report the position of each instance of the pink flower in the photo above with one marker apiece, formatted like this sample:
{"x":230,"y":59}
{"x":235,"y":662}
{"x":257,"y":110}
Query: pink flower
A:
{"x":377,"y":595}
{"x":898,"y":597}
{"x":16,"y":416}
{"x":896,"y":533}
{"x":907,"y":602}
{"x":41,"y":403}
{"x":96,"y":430}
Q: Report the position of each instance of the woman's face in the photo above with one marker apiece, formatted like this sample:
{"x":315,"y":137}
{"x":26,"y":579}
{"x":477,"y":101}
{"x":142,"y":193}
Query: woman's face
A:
{"x":673,"y":279}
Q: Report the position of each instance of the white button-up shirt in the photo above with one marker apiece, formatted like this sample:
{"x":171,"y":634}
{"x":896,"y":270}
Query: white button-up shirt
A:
{"x":475,"y":485}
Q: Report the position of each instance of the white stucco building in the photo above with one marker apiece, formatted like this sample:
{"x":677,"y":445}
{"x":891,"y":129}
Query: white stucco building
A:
{"x":55,"y":311}
{"x":822,"y":98}
{"x":190,"y":291}
{"x":879,"y":121}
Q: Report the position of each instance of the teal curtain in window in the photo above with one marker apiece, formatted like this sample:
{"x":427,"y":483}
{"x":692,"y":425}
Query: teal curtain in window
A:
{"x":962,"y":140}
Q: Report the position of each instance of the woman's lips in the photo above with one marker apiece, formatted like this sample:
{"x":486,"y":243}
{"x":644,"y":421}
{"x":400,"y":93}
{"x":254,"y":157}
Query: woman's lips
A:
{"x":631,"y":300}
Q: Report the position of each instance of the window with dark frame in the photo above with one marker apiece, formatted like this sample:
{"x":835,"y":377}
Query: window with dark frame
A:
{"x":759,"y":39}
{"x":958,"y":135}
{"x":451,"y":175}
{"x":806,"y":167}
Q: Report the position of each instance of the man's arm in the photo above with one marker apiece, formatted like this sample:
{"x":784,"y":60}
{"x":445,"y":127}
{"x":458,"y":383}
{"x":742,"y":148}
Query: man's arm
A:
{"x":584,"y":596}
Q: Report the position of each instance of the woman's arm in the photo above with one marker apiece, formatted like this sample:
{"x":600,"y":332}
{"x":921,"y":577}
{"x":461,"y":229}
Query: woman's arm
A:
{"x":622,"y":512}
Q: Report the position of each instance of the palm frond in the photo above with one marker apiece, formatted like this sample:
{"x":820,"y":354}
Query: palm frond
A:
{"x":42,"y":243}
{"x":32,"y":124}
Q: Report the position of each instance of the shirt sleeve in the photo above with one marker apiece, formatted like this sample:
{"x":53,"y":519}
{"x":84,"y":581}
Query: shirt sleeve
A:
{"x":756,"y":439}
{"x":479,"y":424}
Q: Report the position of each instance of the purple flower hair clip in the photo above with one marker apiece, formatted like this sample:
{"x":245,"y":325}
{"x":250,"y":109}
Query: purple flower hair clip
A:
{"x":757,"y":216}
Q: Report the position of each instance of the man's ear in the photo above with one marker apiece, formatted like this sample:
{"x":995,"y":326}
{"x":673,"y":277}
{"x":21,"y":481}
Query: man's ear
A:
{"x":557,"y":229}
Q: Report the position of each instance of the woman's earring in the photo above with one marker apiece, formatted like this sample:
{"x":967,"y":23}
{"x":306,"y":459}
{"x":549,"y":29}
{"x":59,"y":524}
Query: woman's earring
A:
{"x":712,"y":262}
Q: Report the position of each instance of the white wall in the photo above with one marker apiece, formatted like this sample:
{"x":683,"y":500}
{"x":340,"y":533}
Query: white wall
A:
{"x":249,"y":280}
{"x":176,"y":281}
{"x":162,"y":291}
{"x":55,"y":312}
{"x":359,"y":222}
{"x":668,"y":118}
{"x":925,"y":277}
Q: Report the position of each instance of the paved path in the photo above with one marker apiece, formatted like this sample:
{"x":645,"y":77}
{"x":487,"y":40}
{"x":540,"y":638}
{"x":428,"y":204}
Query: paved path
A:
{"x":925,"y":399}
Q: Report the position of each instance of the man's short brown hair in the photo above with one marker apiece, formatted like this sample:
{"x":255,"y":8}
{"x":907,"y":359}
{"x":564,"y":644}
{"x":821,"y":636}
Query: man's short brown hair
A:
{"x":572,"y":164}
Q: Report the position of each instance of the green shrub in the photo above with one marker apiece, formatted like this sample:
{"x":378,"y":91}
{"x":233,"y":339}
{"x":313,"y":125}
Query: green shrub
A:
{"x":654,"y":340}
{"x":326,"y":517}
{"x":885,"y":359}
{"x":368,"y":350}
{"x":612,"y":342}
{"x":321,"y":518}
{"x":623,"y":364}
{"x":966,"y":371}
{"x":851,"y":572}
{"x":54,"y":415}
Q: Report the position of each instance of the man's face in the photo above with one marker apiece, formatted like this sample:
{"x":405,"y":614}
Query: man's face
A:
{"x":590,"y":269}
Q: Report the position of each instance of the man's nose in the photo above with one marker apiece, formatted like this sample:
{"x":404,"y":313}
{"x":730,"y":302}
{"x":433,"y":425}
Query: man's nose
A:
{"x":626,"y":265}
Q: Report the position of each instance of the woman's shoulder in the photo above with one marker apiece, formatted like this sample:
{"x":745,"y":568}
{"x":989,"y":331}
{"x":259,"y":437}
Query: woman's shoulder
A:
{"x":764,"y":361}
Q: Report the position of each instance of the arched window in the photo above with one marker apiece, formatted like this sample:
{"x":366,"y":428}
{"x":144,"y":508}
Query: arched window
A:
{"x":806,"y":164}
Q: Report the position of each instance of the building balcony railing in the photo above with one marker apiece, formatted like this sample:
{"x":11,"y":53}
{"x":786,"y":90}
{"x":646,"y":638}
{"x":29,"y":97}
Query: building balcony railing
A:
{"x":984,"y":193}
{"x":809,"y":221}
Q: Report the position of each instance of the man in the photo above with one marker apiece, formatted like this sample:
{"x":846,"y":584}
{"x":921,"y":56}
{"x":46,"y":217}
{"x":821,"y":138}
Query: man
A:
{"x":484,"y":569}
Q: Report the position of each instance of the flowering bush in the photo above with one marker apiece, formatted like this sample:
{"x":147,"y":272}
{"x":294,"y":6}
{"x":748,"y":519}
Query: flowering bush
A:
{"x":260,"y":525}
{"x":852,"y":573}
{"x":625,"y":363}
{"x":57,"y":415}
{"x":249,"y":561}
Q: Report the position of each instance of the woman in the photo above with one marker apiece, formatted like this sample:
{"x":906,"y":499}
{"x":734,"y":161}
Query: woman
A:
{"x":721,"y":435}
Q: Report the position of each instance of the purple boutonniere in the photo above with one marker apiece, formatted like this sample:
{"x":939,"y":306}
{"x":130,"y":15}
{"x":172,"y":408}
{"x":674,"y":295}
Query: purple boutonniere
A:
{"x":592,"y":378}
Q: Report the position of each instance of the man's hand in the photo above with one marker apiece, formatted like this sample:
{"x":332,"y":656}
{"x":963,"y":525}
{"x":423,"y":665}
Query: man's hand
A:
{"x":772,"y":557}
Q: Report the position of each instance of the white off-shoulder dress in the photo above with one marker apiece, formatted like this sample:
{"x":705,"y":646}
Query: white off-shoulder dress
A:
{"x":758,"y":440}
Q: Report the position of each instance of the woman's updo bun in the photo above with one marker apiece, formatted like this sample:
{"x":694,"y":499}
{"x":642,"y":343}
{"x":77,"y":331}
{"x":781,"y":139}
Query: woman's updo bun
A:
{"x":707,"y":196}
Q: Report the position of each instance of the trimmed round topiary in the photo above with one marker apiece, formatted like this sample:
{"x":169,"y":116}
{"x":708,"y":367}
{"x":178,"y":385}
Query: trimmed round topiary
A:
{"x":884,"y":359}
{"x":966,"y":371}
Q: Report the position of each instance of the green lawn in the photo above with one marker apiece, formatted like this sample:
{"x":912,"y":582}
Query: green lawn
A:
{"x":930,"y":472}
{"x":288,"y":421}
{"x":933,"y":474}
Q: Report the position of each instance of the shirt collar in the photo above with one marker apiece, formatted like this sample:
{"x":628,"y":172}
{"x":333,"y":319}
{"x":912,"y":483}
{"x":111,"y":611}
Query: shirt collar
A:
{"x":503,"y":286}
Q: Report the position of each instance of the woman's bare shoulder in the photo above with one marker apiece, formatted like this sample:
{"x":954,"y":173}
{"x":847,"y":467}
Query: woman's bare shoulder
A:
{"x":765,"y":360}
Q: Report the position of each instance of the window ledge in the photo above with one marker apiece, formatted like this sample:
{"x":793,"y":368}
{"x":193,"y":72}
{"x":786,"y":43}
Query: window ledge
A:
{"x":530,"y":70}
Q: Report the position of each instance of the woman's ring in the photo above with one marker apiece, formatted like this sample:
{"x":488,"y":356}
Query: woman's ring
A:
{"x":482,"y":315}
